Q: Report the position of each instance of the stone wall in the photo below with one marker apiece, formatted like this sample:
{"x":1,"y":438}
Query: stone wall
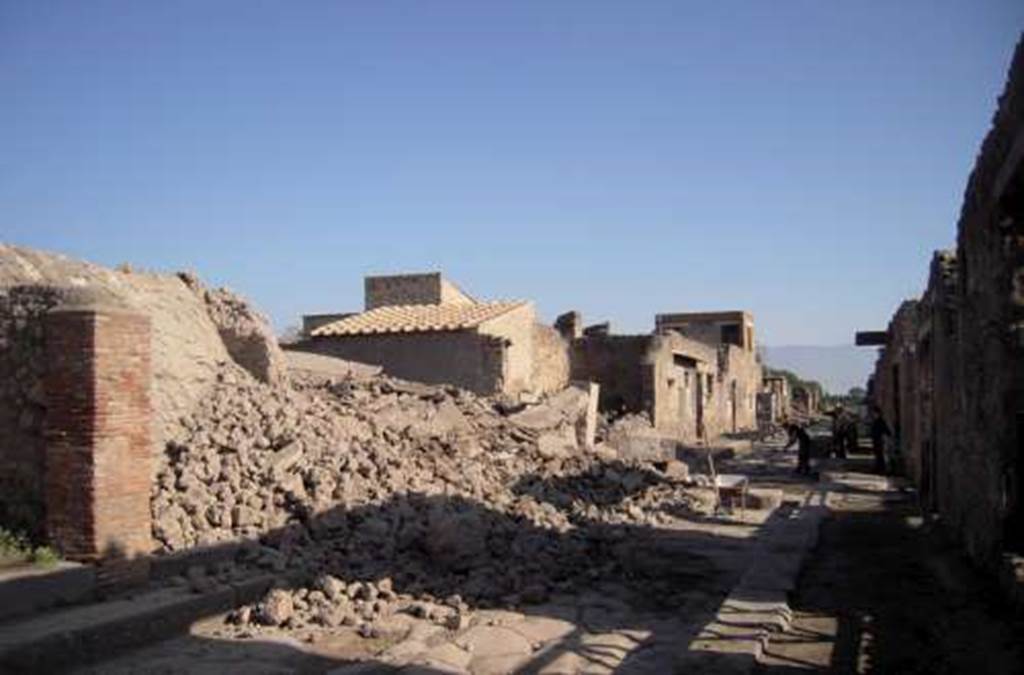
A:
{"x":686,"y":387}
{"x":246,"y":333}
{"x":738,"y":380}
{"x":462,"y":358}
{"x":186,"y":345}
{"x":516,"y":329}
{"x":23,"y":405}
{"x":779,"y":403}
{"x":616,"y":363}
{"x":550,"y":359}
{"x":895,"y":385}
{"x":950,"y":379}
{"x":677,"y":370}
{"x":411,"y":289}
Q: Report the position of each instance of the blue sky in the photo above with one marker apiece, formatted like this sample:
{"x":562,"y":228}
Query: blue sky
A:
{"x":798,"y":159}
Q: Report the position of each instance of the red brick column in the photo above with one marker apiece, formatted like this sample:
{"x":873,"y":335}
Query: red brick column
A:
{"x":99,"y":455}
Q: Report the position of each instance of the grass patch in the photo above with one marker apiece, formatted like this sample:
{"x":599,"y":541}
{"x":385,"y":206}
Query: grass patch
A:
{"x":16,"y":549}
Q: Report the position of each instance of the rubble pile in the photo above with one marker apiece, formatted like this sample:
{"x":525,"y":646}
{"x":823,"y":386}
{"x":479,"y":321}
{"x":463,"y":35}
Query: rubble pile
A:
{"x":380,"y":496}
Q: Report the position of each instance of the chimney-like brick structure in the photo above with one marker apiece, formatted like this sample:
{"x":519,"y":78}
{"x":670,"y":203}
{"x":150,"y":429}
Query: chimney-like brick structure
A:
{"x":98,"y":439}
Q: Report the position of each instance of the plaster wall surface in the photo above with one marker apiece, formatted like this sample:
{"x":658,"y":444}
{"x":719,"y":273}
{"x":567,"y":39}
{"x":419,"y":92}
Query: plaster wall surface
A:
{"x":516,"y":329}
{"x":462,"y":358}
{"x":550,"y":359}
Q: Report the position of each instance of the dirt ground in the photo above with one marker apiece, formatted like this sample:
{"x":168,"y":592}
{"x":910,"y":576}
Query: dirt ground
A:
{"x":887,"y":592}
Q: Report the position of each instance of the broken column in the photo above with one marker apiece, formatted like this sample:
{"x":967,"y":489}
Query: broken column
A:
{"x":98,"y":437}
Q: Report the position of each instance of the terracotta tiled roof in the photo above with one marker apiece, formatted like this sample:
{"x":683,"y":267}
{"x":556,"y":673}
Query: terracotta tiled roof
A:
{"x":417,"y":318}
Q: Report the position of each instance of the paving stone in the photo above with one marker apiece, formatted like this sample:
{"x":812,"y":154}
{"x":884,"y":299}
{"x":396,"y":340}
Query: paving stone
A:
{"x":487,"y":641}
{"x":449,"y":654}
{"x":541,"y":629}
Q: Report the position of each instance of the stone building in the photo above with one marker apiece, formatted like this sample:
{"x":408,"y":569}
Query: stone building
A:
{"x":422,"y":327}
{"x":731,"y":335}
{"x":689,"y":385}
{"x":805,"y":401}
{"x":950,"y":373}
{"x":667,"y":376}
{"x":774,"y":399}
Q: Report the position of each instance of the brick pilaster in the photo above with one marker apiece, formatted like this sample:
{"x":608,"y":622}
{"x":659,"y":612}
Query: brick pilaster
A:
{"x":98,"y":430}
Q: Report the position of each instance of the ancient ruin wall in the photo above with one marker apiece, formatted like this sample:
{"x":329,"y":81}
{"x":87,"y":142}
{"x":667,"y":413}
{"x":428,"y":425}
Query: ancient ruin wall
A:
{"x":462,"y":358}
{"x":959,"y":394}
{"x":615,"y":361}
{"x":515,"y":328}
{"x":402,"y":289}
{"x":23,"y":404}
{"x":186,"y":350}
{"x":550,"y":359}
{"x":990,"y":248}
{"x":247,"y":334}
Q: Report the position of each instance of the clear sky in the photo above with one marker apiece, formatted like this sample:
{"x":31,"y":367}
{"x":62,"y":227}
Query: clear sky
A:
{"x":798,"y":159}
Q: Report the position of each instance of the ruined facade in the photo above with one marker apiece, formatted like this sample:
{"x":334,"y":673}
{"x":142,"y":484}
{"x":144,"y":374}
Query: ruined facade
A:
{"x":731,"y":335}
{"x":805,"y":401}
{"x":774,"y":400}
{"x":98,"y":368}
{"x":422,"y":327}
{"x":950,"y":376}
{"x":690,"y":385}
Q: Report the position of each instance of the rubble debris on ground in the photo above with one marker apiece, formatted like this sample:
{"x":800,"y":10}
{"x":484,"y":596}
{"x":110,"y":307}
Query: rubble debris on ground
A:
{"x":381,"y":497}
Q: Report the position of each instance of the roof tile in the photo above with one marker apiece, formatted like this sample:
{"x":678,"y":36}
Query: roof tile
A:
{"x":417,"y":318}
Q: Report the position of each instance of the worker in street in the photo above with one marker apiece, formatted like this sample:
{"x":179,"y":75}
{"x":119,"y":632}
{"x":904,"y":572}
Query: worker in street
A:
{"x":879,"y":430}
{"x":851,"y":434}
{"x":842,"y":421}
{"x":797,"y":434}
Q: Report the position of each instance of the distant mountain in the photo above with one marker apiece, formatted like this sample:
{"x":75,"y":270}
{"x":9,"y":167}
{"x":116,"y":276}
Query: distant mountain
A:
{"x":839,"y":368}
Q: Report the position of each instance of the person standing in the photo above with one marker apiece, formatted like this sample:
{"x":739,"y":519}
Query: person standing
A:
{"x":797,"y":434}
{"x":851,"y":435}
{"x":879,"y":430}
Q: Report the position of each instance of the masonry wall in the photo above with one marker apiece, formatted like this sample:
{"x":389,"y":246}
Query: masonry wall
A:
{"x":675,"y":396}
{"x":23,"y":405}
{"x":617,"y":363}
{"x":461,"y":358}
{"x":990,"y":251}
{"x":896,"y":386}
{"x":741,"y":376}
{"x":958,"y":399}
{"x":675,"y":380}
{"x":550,"y":359}
{"x":99,"y":460}
{"x":187,"y":348}
{"x":516,"y":329}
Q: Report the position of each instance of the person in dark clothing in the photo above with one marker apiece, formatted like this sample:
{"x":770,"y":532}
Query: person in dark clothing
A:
{"x":879,"y":430}
{"x":851,"y":436}
{"x":797,"y":434}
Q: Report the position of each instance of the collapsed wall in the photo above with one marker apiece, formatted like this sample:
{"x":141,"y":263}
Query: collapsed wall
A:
{"x":194,"y":332}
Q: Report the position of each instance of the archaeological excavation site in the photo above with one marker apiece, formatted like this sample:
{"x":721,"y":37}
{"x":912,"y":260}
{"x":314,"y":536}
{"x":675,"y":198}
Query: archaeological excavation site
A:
{"x":425,"y":477}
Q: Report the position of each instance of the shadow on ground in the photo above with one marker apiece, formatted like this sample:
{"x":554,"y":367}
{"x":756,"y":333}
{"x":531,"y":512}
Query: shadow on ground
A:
{"x":889,"y":592}
{"x":634,"y":595}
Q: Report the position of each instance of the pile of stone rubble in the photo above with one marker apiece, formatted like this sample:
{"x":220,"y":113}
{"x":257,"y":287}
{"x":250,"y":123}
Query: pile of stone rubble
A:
{"x":375,"y":496}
